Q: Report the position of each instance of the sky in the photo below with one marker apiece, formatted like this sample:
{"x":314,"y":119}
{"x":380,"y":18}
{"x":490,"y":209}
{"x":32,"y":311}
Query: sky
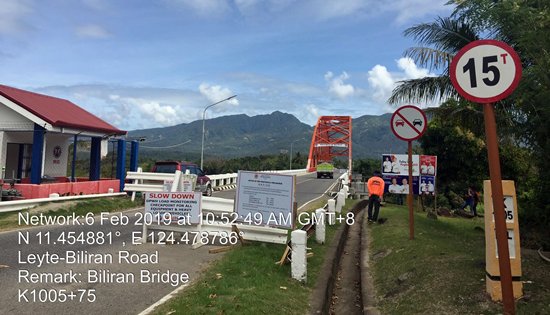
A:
{"x":155,"y":63}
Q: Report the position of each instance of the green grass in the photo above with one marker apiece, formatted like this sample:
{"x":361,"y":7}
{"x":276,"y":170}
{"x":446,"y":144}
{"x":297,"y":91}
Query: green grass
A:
{"x":247,"y":281}
{"x":443,"y":269}
{"x":112,"y":204}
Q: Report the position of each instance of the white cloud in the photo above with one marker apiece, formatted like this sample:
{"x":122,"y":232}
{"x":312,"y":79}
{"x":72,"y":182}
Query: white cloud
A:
{"x":337,"y":9}
{"x":383,"y":82}
{"x":216,"y":93}
{"x":12,"y":15}
{"x":161,"y":114}
{"x":401,"y":11}
{"x":411,"y":70}
{"x":409,"y":10}
{"x":92,"y":31}
{"x":204,"y":8}
{"x":309,"y":114}
{"x":337,"y":85}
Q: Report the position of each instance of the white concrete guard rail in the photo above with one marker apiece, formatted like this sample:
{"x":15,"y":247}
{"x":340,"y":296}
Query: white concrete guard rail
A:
{"x":221,"y":180}
{"x":16,"y":205}
{"x":142,"y":180}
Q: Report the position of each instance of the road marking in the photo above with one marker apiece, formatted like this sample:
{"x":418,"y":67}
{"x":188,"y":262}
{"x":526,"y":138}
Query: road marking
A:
{"x":307,"y":180}
{"x":163,"y":300}
{"x":312,"y":200}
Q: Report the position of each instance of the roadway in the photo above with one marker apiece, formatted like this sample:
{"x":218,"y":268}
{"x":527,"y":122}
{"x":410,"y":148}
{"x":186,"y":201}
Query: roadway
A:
{"x":17,"y":269}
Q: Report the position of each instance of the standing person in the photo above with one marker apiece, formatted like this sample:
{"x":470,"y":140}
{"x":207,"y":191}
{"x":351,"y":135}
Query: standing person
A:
{"x":431,"y":169}
{"x":423,"y":187}
{"x":394,"y":165}
{"x":405,"y":186}
{"x":386,"y":166}
{"x":394,"y":188}
{"x":468,"y":200}
{"x":423,"y":169}
{"x":475,"y":200}
{"x":431,"y":188}
{"x":375,"y":185}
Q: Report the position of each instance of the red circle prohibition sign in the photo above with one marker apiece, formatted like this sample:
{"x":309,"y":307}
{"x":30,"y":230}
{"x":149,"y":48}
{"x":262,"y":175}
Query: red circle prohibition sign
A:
{"x":408,"y":117}
{"x":485,"y":71}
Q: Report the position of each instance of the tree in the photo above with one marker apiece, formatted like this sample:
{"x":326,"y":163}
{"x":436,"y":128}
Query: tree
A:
{"x":439,"y":42}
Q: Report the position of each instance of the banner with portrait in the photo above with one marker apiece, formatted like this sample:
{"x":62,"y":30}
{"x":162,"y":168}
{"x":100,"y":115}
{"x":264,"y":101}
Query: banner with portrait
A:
{"x":395,"y":172}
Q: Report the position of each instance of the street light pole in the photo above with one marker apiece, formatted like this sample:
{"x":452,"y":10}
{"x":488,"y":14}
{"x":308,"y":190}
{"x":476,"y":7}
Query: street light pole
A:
{"x":203,"y":121}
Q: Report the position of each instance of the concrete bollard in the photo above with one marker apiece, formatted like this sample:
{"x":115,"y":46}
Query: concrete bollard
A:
{"x":331,"y":211}
{"x":320,"y":226}
{"x":298,"y":239}
{"x":340,"y":200}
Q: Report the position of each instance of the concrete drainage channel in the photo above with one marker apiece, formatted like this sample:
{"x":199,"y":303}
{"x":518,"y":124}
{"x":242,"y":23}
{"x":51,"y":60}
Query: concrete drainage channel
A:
{"x":345,"y":285}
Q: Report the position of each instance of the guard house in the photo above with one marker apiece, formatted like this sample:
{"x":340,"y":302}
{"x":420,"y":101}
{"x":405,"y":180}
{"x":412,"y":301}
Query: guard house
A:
{"x":35,"y":133}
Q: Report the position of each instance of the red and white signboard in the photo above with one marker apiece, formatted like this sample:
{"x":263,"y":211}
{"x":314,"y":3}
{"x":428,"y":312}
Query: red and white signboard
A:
{"x":408,"y":123}
{"x":177,"y":206}
{"x":485,"y":71}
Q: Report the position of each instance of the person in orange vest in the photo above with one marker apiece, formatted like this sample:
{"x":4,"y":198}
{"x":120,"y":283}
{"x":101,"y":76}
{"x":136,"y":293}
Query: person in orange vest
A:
{"x":375,"y":185}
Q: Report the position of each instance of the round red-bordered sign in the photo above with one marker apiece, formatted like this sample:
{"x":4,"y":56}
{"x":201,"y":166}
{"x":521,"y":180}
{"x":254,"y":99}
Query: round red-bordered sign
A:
{"x":485,"y":71}
{"x":408,"y":123}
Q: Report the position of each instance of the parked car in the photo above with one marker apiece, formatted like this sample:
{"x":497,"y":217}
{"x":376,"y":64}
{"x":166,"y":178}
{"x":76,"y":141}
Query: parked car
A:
{"x":203,"y":182}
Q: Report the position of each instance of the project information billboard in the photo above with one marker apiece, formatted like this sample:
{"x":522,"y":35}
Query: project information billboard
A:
{"x":265,"y":199}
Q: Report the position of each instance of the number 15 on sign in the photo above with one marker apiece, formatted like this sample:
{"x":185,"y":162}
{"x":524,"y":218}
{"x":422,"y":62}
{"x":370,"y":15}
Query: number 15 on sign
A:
{"x":486,"y":71}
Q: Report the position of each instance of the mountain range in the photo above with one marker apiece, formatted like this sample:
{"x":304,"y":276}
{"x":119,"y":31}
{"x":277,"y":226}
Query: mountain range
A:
{"x":243,"y":135}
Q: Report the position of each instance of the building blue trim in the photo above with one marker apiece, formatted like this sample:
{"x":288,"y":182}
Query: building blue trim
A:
{"x":37,"y":154}
{"x":20,"y":161}
{"x":73,"y":165}
{"x":121,"y":162}
{"x":95,"y":159}
{"x":134,"y":156}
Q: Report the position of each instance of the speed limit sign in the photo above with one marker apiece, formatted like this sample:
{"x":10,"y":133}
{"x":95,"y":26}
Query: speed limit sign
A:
{"x":485,"y":71}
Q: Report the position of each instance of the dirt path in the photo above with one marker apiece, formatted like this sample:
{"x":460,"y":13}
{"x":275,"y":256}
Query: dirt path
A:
{"x":346,"y":298}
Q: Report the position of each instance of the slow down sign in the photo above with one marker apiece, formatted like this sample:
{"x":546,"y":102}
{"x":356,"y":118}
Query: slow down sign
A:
{"x":408,"y":123}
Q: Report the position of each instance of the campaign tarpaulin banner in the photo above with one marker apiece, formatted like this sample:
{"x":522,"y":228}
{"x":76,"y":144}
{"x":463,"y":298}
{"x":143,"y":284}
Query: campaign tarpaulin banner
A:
{"x":398,"y":164}
{"x":427,"y":185}
{"x":399,"y":184}
{"x":428,"y":165}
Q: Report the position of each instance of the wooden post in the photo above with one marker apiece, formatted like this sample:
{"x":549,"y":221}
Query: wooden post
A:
{"x":410,"y":196}
{"x":498,"y":206}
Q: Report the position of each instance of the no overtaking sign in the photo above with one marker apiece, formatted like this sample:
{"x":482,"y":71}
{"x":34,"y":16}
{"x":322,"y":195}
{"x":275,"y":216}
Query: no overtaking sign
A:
{"x":408,"y":123}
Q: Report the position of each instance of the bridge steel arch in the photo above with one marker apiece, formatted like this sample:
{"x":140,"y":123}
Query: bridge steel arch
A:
{"x":331,"y":138}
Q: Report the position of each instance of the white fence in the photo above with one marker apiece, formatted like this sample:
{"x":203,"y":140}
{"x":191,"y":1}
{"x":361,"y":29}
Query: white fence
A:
{"x":16,"y":205}
{"x":142,"y":180}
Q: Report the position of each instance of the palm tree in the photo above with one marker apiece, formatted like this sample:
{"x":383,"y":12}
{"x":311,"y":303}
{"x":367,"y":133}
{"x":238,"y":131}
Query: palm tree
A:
{"x":439,"y":42}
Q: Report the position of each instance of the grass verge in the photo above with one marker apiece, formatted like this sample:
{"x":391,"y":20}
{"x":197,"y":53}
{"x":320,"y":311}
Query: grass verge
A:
{"x":442,"y":271}
{"x":247,"y":281}
{"x":112,"y":204}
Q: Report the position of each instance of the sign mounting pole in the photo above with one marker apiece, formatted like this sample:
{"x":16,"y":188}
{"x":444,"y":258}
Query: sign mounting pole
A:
{"x":410,"y":196}
{"x":486,"y":71}
{"x":409,"y":123}
{"x":498,"y":206}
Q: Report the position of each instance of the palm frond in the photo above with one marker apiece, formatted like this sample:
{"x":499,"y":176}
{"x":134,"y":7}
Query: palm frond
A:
{"x":423,"y":90}
{"x":428,"y":57}
{"x":445,"y":34}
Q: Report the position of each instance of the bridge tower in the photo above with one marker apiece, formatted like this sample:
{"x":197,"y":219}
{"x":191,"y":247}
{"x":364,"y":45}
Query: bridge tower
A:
{"x":331,"y":138}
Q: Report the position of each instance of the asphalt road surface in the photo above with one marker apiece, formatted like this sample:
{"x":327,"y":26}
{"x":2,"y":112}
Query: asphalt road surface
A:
{"x":40,"y":273}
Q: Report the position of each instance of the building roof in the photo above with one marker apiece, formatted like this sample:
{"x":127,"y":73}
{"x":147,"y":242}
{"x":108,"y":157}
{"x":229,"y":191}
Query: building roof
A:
{"x":58,"y":112}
